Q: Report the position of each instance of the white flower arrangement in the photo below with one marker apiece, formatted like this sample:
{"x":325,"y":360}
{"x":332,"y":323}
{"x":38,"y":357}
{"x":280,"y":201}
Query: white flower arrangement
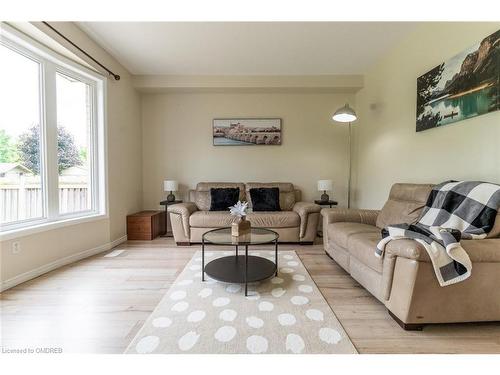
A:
{"x":239,"y":209}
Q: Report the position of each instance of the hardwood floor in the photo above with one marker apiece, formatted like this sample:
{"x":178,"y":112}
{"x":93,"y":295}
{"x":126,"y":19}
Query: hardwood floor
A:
{"x":97,"y":305}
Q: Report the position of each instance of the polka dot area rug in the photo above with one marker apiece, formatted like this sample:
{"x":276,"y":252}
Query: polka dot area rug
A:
{"x":284,"y":314}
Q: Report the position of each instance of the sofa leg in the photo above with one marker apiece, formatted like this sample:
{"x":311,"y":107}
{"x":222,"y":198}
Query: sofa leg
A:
{"x":183,"y":243}
{"x":406,"y":326}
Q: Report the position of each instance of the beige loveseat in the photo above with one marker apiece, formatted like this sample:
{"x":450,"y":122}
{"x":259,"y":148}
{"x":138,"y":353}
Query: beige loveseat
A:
{"x":296,"y":222}
{"x":404,"y":279}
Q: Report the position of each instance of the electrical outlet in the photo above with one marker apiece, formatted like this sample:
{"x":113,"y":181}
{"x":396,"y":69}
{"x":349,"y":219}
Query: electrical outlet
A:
{"x":16,"y":247}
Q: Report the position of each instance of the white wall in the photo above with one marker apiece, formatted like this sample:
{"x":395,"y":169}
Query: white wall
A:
{"x":387,"y":147}
{"x":124,"y":180}
{"x":177,"y":141}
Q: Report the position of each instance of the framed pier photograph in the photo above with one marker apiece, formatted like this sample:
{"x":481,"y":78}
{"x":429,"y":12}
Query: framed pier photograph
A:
{"x":246,"y":131}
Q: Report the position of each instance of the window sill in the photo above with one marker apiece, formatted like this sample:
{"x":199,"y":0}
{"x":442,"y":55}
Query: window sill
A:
{"x":38,"y":228}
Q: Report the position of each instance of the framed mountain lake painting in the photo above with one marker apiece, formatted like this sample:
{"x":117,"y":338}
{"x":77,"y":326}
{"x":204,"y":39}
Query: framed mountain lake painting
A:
{"x":246,"y":131}
{"x":465,"y":86}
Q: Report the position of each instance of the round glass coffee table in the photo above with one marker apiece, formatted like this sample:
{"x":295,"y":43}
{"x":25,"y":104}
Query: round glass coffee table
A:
{"x":240,"y":269}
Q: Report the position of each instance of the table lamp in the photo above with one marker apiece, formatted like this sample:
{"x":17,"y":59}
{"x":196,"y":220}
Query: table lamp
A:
{"x":170,"y":186}
{"x":324,"y":186}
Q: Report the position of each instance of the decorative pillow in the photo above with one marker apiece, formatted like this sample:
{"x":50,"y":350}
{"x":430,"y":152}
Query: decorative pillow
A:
{"x":223,"y":198}
{"x":265,"y":199}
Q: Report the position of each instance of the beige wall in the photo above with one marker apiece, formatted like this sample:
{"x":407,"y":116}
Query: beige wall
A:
{"x":41,"y":249}
{"x":124,"y":178}
{"x":387,"y":147}
{"x":177,"y":141}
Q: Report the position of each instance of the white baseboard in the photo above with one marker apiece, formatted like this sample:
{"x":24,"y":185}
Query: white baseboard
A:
{"x":118,"y":241}
{"x":16,"y":280}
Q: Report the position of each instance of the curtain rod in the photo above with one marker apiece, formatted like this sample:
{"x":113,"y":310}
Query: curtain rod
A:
{"x":115,"y":76}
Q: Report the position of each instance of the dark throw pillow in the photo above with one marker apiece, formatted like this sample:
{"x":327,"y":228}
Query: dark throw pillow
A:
{"x":265,"y":199}
{"x":223,"y":198}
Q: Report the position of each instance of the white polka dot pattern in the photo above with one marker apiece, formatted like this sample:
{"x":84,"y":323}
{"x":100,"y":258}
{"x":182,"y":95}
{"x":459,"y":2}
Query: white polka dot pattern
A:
{"x":162,"y":322}
{"x":254,"y":322}
{"x":189,"y":340}
{"x":305,"y":288}
{"x":225,"y":334}
{"x":147,"y":344}
{"x":329,"y":335}
{"x":294,"y":343}
{"x":298,"y":277}
{"x":221,"y":301}
{"x":299,"y":300}
{"x":277,"y":280}
{"x":196,"y":316}
{"x":283,"y":314}
{"x":278,"y":292}
{"x":228,"y":315}
{"x":266,"y":306}
{"x":180,"y":306}
{"x":286,"y":319}
{"x":177,"y":295}
{"x":205,"y":292}
{"x":314,"y":314}
{"x":233,"y":288}
{"x":257,"y":344}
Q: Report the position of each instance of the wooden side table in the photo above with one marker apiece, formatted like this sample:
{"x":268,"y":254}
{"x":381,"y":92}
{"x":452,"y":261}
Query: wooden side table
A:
{"x":145,"y":225}
{"x":324,"y":204}
{"x":166,"y":204}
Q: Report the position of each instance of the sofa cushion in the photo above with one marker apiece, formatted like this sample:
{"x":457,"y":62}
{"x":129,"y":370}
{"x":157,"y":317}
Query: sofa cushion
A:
{"x":482,"y":251}
{"x":211,"y":219}
{"x":287,"y":193}
{"x":202,"y":194}
{"x":362,"y":247}
{"x":265,"y":199}
{"x":274,"y":219}
{"x":223,"y":198}
{"x":404,"y":205}
{"x":339,"y":232}
{"x":218,"y":219}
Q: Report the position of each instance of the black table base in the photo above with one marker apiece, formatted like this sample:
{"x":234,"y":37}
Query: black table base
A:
{"x":240,"y":269}
{"x":231,"y":269}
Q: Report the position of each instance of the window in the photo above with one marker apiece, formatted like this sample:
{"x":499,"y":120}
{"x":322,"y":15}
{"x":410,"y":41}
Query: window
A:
{"x":51,"y":137}
{"x":74,"y":128}
{"x":21,"y":190}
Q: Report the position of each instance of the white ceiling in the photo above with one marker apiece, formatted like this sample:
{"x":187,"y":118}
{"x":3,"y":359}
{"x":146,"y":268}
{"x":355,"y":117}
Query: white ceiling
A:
{"x":247,"y":48}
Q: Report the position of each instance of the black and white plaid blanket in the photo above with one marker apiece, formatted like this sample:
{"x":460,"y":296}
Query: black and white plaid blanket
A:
{"x":454,"y":211}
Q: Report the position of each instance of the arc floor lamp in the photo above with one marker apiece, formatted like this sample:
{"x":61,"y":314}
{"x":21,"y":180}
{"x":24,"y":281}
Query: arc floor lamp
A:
{"x":347,"y":115}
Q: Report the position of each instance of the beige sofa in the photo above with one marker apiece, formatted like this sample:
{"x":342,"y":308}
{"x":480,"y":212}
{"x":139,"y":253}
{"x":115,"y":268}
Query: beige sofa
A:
{"x":296,"y":222}
{"x":404,"y":279}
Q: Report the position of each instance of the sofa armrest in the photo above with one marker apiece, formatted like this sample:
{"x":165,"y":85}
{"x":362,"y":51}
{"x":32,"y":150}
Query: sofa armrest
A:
{"x":309,"y":216}
{"x":184,"y":210}
{"x":479,"y":251}
{"x":406,"y":248}
{"x":333,"y":215}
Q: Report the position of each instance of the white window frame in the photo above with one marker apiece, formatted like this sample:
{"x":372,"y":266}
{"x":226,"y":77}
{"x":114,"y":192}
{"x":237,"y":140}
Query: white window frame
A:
{"x":51,"y":63}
